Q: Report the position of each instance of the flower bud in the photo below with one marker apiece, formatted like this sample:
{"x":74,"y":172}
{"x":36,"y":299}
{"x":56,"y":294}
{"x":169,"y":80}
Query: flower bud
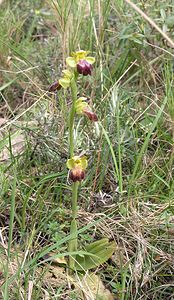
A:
{"x":77,"y":174}
{"x":84,"y":67}
{"x":90,"y":114}
{"x":54,"y":86}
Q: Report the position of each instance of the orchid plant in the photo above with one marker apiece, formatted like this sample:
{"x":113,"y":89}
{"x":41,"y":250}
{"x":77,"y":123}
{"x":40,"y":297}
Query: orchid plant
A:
{"x":79,"y":63}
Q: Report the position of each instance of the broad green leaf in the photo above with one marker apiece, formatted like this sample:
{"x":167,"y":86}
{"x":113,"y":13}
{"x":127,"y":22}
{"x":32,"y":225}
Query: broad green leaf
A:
{"x":93,"y":246}
{"x":98,"y":254}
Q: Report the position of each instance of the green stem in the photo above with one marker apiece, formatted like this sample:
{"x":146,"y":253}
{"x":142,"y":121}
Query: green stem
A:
{"x":73,"y":229}
{"x":71,"y":117}
{"x":74,"y":199}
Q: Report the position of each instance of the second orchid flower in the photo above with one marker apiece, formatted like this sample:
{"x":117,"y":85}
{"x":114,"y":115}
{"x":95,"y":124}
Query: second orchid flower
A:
{"x":82,"y":108}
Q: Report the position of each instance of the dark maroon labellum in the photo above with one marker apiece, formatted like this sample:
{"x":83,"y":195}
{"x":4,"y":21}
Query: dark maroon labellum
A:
{"x":90,"y":114}
{"x":54,"y":86}
{"x":76,"y":174}
{"x":84,"y":67}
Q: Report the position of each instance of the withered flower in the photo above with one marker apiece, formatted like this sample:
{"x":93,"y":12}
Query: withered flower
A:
{"x":90,"y":114}
{"x":54,"y":86}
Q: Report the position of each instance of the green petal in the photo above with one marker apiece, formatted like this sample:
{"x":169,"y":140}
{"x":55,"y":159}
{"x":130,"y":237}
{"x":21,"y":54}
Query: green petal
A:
{"x":70,"y":163}
{"x":90,"y":59}
{"x":84,"y":162}
{"x":71,"y":62}
{"x":65,"y":83}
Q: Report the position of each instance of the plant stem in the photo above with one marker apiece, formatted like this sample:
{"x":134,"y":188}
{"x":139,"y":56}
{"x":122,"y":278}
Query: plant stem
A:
{"x":74,"y":199}
{"x":73,"y":229}
{"x":71,"y":117}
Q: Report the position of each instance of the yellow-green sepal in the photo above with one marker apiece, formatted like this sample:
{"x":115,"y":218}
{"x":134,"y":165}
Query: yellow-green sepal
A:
{"x":76,"y":161}
{"x":66,"y":79}
{"x":67,"y":74}
{"x":71,"y":62}
{"x":65,"y":83}
{"x":70,"y":163}
{"x":90,"y":59}
{"x":80,"y":104}
{"x":84,"y":162}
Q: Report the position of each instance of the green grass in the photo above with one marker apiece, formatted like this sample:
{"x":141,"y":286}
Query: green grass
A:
{"x":128,"y":193}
